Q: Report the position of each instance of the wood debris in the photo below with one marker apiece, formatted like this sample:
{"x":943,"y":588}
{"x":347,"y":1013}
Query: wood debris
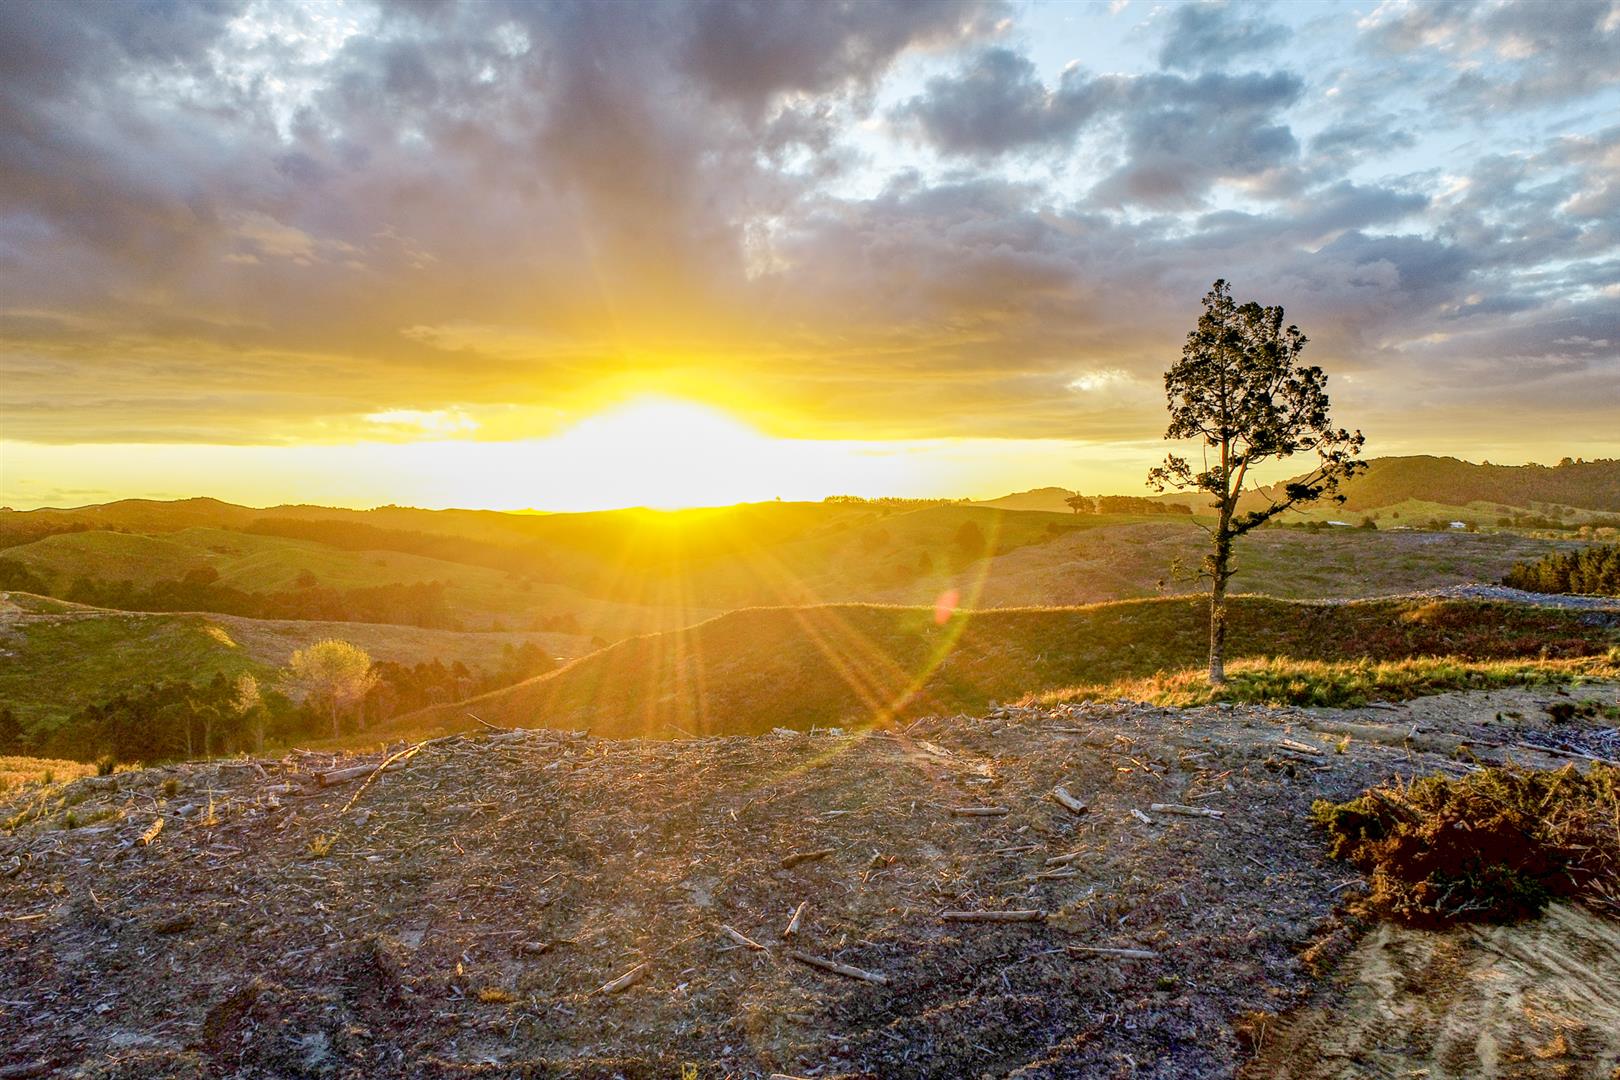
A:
{"x":1186,"y":811}
{"x":994,"y":916}
{"x":979,"y":811}
{"x":625,"y":981}
{"x":793,"y":923}
{"x":806,"y":856}
{"x":741,"y":938}
{"x":838,"y":969}
{"x":151,"y":833}
{"x":1067,"y":801}
{"x":1128,"y":954}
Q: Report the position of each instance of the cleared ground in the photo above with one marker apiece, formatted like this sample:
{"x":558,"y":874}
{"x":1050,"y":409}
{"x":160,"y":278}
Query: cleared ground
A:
{"x":538,"y":904}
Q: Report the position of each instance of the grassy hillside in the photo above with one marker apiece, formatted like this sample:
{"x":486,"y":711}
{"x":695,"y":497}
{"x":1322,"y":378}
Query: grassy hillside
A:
{"x":57,"y":657}
{"x":752,"y":670}
{"x":1091,"y":566}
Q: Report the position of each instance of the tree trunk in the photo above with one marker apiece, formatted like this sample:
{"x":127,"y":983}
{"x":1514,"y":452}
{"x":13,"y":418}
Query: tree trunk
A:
{"x":335,"y":731}
{"x":1220,"y":567}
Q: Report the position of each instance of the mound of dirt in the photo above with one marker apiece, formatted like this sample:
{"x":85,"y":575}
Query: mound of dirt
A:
{"x":546,"y":904}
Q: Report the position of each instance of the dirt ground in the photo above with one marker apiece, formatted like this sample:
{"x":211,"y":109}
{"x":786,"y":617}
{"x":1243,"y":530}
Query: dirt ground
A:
{"x":475,"y":911}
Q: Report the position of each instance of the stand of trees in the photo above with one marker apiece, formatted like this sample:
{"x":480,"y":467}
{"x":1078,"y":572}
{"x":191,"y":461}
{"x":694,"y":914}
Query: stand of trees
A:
{"x":1592,"y":571}
{"x":1125,"y":504}
{"x":421,"y":603}
{"x":173,"y":719}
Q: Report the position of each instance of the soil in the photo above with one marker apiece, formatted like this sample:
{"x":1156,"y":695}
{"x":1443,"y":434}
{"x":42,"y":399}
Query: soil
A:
{"x":465,"y":913}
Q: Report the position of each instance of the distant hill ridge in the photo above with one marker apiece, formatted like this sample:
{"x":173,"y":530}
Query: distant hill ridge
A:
{"x":1587,"y":485}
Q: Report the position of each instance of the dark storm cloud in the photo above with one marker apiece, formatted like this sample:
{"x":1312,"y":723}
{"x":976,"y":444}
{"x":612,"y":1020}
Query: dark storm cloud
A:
{"x":1212,"y":35}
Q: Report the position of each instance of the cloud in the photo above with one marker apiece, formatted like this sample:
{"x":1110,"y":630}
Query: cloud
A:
{"x":264,"y":222}
{"x":1210,"y":35}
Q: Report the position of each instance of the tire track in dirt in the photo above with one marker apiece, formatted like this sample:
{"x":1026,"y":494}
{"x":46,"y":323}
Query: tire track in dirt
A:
{"x":1533,"y":1000}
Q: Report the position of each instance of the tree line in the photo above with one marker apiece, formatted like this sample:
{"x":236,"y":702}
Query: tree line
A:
{"x":1593,"y":570}
{"x":328,"y":688}
{"x":1125,"y":504}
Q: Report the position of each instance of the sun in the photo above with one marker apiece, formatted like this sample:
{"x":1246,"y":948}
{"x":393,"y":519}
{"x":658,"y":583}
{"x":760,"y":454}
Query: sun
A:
{"x":669,"y":454}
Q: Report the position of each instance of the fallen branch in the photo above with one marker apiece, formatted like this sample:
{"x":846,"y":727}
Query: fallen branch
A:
{"x":979,"y":811}
{"x":798,"y":916}
{"x":741,"y":938}
{"x":1300,"y":748}
{"x":1139,"y":816}
{"x":1186,"y":811}
{"x":486,"y":723}
{"x":1064,"y":860}
{"x":1128,"y":954}
{"x":151,"y":832}
{"x":993,"y":916}
{"x":805,"y":856}
{"x":1067,"y":801}
{"x":838,"y":969}
{"x":625,"y":981}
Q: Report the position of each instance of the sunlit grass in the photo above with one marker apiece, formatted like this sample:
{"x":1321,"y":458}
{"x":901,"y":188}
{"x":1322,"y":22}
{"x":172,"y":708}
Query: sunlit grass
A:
{"x":16,"y":772}
{"x":1285,"y":681}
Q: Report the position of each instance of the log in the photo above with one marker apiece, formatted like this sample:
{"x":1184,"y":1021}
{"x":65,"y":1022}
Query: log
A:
{"x":805,"y":856}
{"x":1300,"y":748}
{"x":1186,"y":811}
{"x":994,"y":916}
{"x":353,"y":772}
{"x":979,"y":811}
{"x":838,"y":969}
{"x":1128,"y":954}
{"x":1067,"y":801}
{"x":625,"y":981}
{"x":741,"y":938}
{"x":151,"y":833}
{"x":798,"y":916}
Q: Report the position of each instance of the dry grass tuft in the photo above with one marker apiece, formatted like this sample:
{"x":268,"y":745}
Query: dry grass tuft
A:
{"x":1344,"y":684}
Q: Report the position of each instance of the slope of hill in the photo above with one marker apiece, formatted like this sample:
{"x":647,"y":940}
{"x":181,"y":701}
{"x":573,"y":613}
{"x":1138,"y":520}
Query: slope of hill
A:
{"x":56,"y":657}
{"x":1048,"y":499}
{"x":753,"y":670}
{"x":1590,"y":485}
{"x":1085,"y":567}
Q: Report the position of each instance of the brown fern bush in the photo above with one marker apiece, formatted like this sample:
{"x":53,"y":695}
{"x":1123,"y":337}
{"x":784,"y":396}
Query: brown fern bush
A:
{"x":1494,"y":846}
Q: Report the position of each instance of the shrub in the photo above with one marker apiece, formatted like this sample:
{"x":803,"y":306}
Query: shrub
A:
{"x":1594,"y":569}
{"x":1496,"y":845}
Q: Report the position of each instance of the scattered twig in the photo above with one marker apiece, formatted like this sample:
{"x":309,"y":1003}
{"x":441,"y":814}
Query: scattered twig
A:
{"x":625,"y":981}
{"x":805,"y":856}
{"x":741,"y":938}
{"x":993,"y":916}
{"x":1127,"y":954}
{"x":1186,"y":811}
{"x":793,"y":923}
{"x":979,"y":811}
{"x":838,"y":969}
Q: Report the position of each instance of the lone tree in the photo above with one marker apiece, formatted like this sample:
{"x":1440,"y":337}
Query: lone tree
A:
{"x":331,"y":674}
{"x":1240,"y":388}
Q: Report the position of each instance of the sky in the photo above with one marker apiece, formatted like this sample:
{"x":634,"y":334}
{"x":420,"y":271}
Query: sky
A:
{"x":572,"y":255}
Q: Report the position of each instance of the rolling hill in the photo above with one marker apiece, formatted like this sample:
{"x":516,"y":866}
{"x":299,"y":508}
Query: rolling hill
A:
{"x":749,"y":671}
{"x":56,"y":657}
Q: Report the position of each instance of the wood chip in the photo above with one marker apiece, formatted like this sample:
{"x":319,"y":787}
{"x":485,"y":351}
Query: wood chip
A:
{"x":805,"y":856}
{"x":1186,"y":811}
{"x":798,"y":917}
{"x":994,"y":916}
{"x":979,"y":811}
{"x":625,"y":981}
{"x":741,"y":938}
{"x":838,"y":969}
{"x":1067,"y":801}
